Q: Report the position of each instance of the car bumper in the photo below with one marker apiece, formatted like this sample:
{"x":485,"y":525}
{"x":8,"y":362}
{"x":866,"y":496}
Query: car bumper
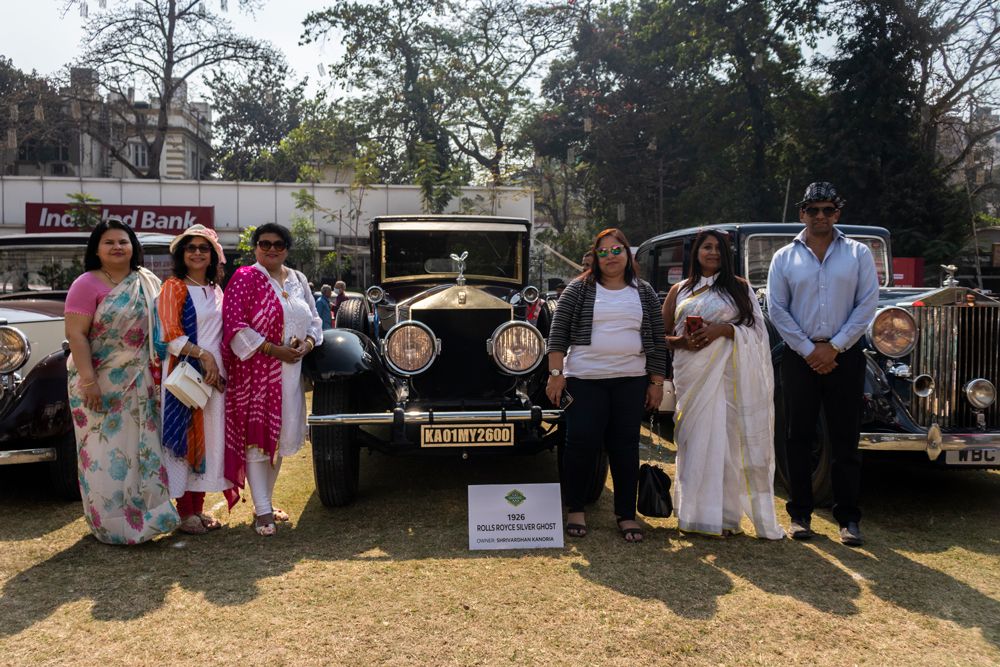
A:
{"x":36,"y":455}
{"x":933,"y":441}
{"x":400,"y":417}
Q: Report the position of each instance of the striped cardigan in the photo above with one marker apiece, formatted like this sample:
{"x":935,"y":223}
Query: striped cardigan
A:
{"x":574,"y":320}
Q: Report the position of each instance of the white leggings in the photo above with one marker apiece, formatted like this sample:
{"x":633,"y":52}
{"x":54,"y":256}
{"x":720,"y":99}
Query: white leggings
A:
{"x":261,"y":476}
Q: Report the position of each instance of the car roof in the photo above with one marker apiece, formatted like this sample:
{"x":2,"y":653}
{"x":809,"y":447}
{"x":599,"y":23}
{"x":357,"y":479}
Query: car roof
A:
{"x":746,"y":228}
{"x":75,"y":238}
{"x":425,"y":217}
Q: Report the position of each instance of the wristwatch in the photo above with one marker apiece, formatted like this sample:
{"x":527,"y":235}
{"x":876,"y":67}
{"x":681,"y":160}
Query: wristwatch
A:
{"x":555,"y":372}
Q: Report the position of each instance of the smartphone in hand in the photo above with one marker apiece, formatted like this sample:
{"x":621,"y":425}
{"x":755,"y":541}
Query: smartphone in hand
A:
{"x":693,"y":322}
{"x":565,"y":400}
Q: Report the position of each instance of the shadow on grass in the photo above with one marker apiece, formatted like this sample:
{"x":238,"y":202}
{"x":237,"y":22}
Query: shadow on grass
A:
{"x":413,"y":509}
{"x":31,"y":508}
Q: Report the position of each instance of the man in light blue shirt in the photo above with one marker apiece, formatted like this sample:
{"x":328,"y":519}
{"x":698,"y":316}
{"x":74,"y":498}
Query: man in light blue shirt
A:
{"x":822,"y":291}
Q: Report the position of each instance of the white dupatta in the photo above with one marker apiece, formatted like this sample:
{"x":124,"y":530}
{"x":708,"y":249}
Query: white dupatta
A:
{"x":724,"y":422}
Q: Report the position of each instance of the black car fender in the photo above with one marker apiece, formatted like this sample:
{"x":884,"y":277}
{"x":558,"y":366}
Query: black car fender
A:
{"x":39,"y":406}
{"x":344,"y":353}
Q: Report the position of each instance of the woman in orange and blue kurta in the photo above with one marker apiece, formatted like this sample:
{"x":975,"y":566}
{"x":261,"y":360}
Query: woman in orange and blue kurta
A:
{"x":190,"y":308}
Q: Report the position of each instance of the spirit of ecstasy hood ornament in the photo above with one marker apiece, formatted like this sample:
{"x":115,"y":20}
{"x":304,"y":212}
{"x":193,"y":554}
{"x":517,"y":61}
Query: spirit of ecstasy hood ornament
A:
{"x":460,"y":260}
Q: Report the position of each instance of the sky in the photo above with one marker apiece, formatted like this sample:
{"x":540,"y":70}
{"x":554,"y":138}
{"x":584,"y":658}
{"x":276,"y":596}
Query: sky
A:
{"x":36,"y":36}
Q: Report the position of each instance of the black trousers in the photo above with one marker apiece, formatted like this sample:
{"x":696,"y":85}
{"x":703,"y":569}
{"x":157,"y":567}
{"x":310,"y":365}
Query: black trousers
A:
{"x":604,"y":413}
{"x":839,"y":394}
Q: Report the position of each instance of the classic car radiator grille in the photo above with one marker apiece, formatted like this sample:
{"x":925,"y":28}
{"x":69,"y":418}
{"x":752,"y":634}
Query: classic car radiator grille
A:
{"x":956,"y":344}
{"x":464,"y":369}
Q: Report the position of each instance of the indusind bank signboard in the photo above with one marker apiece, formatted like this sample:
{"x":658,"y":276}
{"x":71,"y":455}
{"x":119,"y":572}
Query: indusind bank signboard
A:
{"x":41,"y":218}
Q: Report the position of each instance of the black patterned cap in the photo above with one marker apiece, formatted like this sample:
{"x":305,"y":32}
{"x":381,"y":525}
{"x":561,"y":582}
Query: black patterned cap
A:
{"x":822,"y":191}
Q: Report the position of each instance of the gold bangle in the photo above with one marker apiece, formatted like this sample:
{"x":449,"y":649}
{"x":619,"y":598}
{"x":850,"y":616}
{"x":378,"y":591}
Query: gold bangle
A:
{"x":312,"y":344}
{"x":88,"y":384}
{"x":655,"y":383}
{"x":266,"y":348}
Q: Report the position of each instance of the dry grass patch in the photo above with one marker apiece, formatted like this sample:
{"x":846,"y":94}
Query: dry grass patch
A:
{"x":389,"y":580}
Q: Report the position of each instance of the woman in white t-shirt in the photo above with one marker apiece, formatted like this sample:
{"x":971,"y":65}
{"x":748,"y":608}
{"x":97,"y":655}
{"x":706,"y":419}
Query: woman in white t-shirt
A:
{"x":607,"y":350}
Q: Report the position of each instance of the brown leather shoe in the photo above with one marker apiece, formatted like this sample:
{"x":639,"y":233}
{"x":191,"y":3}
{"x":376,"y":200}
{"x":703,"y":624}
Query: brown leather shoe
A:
{"x":851,"y":535}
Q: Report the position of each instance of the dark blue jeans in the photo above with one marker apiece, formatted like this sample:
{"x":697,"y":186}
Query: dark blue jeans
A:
{"x":604,"y":413}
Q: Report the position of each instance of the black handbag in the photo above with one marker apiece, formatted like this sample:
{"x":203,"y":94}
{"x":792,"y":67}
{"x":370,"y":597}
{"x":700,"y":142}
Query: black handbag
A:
{"x":654,"y":492}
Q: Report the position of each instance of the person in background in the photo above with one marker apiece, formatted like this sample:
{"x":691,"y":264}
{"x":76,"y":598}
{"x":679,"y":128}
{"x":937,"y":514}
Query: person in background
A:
{"x":588,"y":260}
{"x":822,"y":292}
{"x":112,"y":395}
{"x":269,"y":323}
{"x":560,"y":288}
{"x":324,"y":307}
{"x":194,"y":439}
{"x":339,"y":296}
{"x":725,"y":397}
{"x":607,"y":350}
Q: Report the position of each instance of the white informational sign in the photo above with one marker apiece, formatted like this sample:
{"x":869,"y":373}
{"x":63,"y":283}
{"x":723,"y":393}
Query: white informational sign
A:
{"x":515,"y":516}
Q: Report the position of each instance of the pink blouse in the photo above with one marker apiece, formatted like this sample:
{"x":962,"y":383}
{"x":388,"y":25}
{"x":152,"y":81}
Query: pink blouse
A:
{"x":85,"y":294}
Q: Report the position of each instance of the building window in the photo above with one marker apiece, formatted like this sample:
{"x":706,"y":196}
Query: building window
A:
{"x":139,"y":155}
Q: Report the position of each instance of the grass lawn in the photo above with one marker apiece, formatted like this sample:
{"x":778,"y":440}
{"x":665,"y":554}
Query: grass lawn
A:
{"x":389,"y":580}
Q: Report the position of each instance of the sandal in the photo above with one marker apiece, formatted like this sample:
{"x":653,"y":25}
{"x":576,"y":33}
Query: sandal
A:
{"x":280,"y":516}
{"x":264,"y":529}
{"x":574,"y":529}
{"x":209,"y":521}
{"x":631,"y":535}
{"x":192,"y":525}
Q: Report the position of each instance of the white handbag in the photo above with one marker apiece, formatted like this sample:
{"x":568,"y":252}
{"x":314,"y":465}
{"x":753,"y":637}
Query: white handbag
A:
{"x":187,"y":384}
{"x":669,"y":401}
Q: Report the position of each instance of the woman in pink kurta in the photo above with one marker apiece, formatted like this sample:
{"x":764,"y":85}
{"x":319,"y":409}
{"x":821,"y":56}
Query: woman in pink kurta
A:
{"x":269,"y":323}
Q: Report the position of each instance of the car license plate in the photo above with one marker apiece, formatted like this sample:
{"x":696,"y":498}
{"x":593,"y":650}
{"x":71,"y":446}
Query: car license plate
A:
{"x":973,"y":457}
{"x":467,"y":435}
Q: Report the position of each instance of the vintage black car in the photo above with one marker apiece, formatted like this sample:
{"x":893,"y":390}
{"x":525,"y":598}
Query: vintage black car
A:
{"x":439,"y":357}
{"x":933,"y":355}
{"x":35,"y":272}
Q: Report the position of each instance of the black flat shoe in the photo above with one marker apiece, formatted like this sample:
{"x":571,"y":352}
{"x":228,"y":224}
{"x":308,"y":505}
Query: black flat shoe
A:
{"x":576,"y":530}
{"x":631,"y":535}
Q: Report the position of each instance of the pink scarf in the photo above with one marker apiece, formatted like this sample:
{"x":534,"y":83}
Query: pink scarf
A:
{"x":253,"y":392}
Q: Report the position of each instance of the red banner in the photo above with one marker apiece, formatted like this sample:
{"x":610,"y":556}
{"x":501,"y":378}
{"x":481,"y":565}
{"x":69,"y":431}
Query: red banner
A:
{"x":42,"y":218}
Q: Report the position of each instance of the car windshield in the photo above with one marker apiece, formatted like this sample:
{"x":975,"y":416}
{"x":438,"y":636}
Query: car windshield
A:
{"x":54,"y":267}
{"x":760,"y":248}
{"x":413,"y":254}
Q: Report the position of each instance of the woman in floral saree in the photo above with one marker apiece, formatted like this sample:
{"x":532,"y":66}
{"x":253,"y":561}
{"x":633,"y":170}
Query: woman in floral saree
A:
{"x":112,"y":395}
{"x":725,"y":384}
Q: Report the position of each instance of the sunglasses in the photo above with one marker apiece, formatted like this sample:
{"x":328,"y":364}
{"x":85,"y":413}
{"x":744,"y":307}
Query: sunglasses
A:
{"x":614,"y":250}
{"x":192,"y":249}
{"x":812,"y":211}
{"x":267,"y":245}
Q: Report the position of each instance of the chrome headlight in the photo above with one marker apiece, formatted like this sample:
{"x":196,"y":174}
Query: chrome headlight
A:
{"x":15,"y":350}
{"x":374,"y":294}
{"x":981,"y":393}
{"x":530,"y":294}
{"x":893,"y":332}
{"x":410,"y":347}
{"x":516,"y":347}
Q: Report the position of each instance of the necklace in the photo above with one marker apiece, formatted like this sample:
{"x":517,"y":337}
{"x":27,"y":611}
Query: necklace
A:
{"x":195,"y":281}
{"x":282,"y":276}
{"x":113,"y":281}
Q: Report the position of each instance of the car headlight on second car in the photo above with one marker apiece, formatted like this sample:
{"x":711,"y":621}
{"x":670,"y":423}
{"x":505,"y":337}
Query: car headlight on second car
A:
{"x":410,"y":347}
{"x":981,"y":393}
{"x":893,"y":332}
{"x":14,"y":350}
{"x":516,"y":347}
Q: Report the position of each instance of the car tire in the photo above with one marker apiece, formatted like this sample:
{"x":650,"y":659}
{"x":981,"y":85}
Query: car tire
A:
{"x":336,"y":455}
{"x":596,"y":485}
{"x":352,"y":314}
{"x":822,"y":452}
{"x":64,"y":472}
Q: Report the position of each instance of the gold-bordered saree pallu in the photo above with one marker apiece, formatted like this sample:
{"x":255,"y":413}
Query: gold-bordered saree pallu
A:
{"x":122,"y":479}
{"x":724,"y":423}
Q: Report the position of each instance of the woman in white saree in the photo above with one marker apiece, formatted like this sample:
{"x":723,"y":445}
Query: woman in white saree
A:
{"x":725,"y":384}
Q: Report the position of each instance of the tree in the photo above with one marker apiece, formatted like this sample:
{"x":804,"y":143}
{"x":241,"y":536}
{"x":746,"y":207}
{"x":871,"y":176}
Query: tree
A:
{"x":159,"y":45}
{"x":302,"y":255}
{"x":33,"y":124}
{"x":255,"y":110}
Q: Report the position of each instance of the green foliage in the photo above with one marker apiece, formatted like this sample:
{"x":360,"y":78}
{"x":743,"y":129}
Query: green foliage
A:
{"x":438,"y":184}
{"x":84,"y":210}
{"x":302,"y":255}
{"x":245,"y":248}
{"x":254,"y":112}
